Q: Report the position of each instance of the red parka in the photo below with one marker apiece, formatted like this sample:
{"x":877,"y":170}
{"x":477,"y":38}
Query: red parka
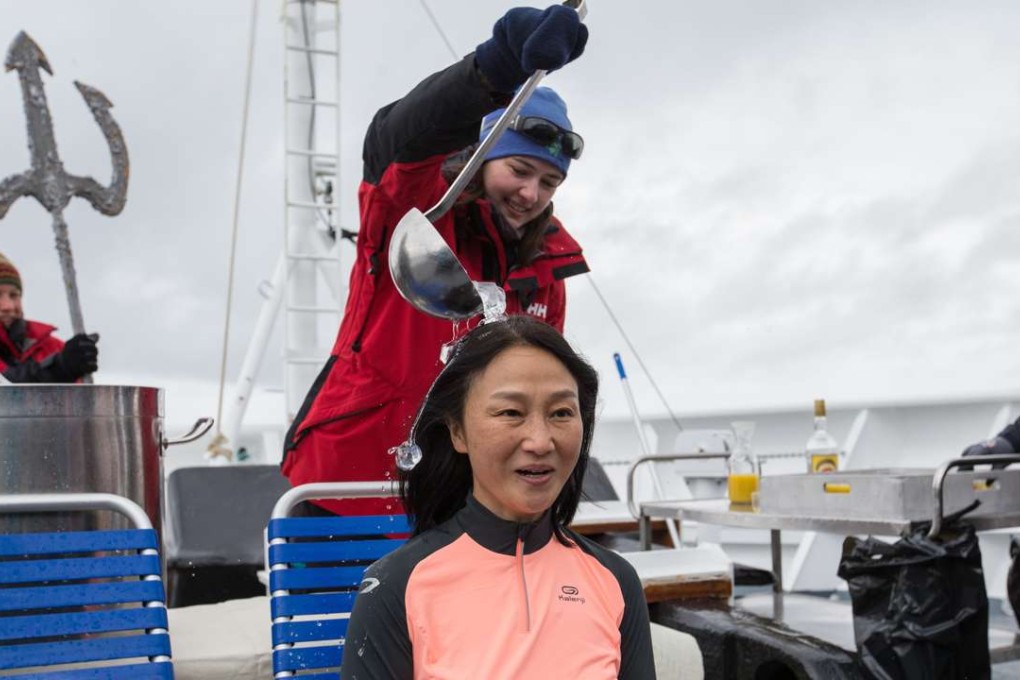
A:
{"x":39,"y":343}
{"x":386,"y":354}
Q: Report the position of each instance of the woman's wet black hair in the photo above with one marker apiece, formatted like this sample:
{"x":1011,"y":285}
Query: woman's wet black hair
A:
{"x":438,"y":486}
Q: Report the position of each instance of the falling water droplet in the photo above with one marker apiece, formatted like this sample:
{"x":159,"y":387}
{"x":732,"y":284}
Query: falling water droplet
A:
{"x":407,"y":454}
{"x":445,"y":351}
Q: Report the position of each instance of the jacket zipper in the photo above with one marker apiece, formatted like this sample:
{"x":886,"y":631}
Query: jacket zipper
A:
{"x":524,"y":581}
{"x":373,"y":271}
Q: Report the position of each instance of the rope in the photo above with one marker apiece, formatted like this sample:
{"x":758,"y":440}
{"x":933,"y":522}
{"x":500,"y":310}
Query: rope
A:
{"x":634,"y":351}
{"x":233,"y":235}
{"x":439,"y":30}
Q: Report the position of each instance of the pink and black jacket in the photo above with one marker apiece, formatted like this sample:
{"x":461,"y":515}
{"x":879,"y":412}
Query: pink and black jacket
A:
{"x":482,"y":597}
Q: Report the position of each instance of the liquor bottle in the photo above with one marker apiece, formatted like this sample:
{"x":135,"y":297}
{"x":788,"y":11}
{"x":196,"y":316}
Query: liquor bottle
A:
{"x":743,"y":465}
{"x":821,"y":451}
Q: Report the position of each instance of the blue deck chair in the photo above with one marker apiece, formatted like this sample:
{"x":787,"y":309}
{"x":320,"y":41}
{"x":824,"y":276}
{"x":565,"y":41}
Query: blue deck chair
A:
{"x":82,"y":604}
{"x":315,"y":566}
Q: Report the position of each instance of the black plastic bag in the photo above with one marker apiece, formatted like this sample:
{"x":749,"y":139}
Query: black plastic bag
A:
{"x":1013,"y":578}
{"x":920,"y":606}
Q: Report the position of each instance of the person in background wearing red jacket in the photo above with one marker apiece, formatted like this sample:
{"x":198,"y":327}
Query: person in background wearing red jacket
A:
{"x":29,"y":352}
{"x":502,"y":229}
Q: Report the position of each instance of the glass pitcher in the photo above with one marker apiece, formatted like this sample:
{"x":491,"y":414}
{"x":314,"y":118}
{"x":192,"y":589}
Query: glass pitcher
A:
{"x":743,"y":465}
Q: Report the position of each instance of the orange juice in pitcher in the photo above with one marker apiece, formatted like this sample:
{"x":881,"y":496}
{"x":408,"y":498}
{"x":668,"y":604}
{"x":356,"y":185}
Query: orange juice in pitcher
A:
{"x":741,"y":486}
{"x":743,"y":465}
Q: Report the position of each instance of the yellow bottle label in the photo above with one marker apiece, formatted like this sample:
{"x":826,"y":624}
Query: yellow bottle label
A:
{"x":741,"y":486}
{"x":824,"y":462}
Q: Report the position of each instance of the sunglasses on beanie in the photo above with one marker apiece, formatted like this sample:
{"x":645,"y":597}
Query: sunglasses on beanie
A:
{"x":544,"y":133}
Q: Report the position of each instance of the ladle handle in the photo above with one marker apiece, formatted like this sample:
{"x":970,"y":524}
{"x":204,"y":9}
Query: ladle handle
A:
{"x":478,"y":157}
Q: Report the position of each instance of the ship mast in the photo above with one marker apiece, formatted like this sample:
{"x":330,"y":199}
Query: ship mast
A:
{"x":306,"y":280}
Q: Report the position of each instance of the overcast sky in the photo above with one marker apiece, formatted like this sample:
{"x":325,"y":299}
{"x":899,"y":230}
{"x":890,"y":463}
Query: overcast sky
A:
{"x":779,"y":200}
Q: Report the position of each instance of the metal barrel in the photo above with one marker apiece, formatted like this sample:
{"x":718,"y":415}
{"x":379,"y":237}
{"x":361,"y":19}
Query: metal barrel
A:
{"x":81,"y":438}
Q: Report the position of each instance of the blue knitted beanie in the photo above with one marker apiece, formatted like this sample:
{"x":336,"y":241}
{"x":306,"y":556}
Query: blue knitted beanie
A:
{"x":543,"y":103}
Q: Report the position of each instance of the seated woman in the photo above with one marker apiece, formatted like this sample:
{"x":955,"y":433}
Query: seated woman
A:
{"x":493,"y":584}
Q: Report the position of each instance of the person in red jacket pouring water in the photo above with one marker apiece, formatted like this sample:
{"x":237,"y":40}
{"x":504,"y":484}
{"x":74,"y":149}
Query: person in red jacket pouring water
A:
{"x":502,"y":229}
{"x":29,"y":352}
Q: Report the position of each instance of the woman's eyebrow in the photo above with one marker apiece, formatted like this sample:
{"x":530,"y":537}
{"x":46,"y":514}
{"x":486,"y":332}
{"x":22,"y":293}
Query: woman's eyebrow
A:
{"x":566,"y":393}
{"x":531,"y":165}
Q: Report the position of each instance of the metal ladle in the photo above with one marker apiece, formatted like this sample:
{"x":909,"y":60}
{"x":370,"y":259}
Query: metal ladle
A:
{"x":424,"y":268}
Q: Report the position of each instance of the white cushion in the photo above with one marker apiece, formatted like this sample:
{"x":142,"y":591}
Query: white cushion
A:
{"x":224,"y":641}
{"x":677,"y":656}
{"x":706,"y":560}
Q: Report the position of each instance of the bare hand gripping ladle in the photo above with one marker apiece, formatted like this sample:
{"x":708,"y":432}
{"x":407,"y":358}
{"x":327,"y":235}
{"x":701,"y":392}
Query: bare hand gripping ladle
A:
{"x":425,"y":270}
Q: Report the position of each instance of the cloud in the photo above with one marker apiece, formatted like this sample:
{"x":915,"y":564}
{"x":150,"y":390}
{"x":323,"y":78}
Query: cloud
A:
{"x":779,"y":200}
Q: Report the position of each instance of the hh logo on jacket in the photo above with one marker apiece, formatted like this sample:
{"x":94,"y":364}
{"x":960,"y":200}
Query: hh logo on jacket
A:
{"x":538,"y":310}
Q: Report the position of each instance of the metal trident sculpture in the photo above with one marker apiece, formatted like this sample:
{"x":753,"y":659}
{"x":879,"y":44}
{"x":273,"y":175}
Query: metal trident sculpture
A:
{"x":47,"y":180}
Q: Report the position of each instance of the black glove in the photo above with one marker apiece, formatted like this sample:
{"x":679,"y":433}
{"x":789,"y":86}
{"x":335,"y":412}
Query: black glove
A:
{"x":989,"y":447}
{"x":79,"y":357}
{"x":528,"y":39}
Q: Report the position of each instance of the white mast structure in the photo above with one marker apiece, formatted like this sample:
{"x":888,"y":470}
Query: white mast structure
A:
{"x":306,"y":279}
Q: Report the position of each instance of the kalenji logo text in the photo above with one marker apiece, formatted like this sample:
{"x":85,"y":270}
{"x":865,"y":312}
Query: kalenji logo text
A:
{"x":569,"y":594}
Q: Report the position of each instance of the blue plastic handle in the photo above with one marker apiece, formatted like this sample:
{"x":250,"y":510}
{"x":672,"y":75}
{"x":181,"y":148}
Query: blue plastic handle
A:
{"x":619,"y":366}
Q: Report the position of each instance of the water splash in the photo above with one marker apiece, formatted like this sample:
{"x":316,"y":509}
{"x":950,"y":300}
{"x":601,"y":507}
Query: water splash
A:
{"x":459,"y":328}
{"x":446,"y":351}
{"x":407,"y":455}
{"x":493,"y":301}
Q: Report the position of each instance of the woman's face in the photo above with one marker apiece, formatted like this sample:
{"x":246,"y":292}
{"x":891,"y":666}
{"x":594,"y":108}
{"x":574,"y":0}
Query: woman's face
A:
{"x":522,"y":432}
{"x":520,"y":187}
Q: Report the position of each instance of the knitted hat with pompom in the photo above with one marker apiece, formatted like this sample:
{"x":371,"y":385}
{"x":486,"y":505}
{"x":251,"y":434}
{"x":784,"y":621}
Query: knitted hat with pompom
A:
{"x":9,"y":273}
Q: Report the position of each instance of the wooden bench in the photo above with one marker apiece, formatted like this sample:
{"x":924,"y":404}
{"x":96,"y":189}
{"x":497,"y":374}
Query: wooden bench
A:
{"x":684,"y":573}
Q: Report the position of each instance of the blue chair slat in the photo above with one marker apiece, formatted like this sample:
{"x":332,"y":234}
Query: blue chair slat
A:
{"x":61,"y":594}
{"x":321,"y":577}
{"x":46,"y":597}
{"x":367,"y":525}
{"x":63,"y":542}
{"x":94,"y":649}
{"x":309,"y":631}
{"x":304,"y":605}
{"x":333,"y":551}
{"x":300,"y":658}
{"x":37,"y":571}
{"x":100,"y":621}
{"x":160,"y":670}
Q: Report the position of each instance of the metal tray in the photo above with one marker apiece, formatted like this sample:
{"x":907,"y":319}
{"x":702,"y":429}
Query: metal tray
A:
{"x":889,"y":494}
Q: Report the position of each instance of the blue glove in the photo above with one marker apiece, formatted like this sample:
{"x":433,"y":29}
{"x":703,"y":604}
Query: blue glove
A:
{"x":528,"y":39}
